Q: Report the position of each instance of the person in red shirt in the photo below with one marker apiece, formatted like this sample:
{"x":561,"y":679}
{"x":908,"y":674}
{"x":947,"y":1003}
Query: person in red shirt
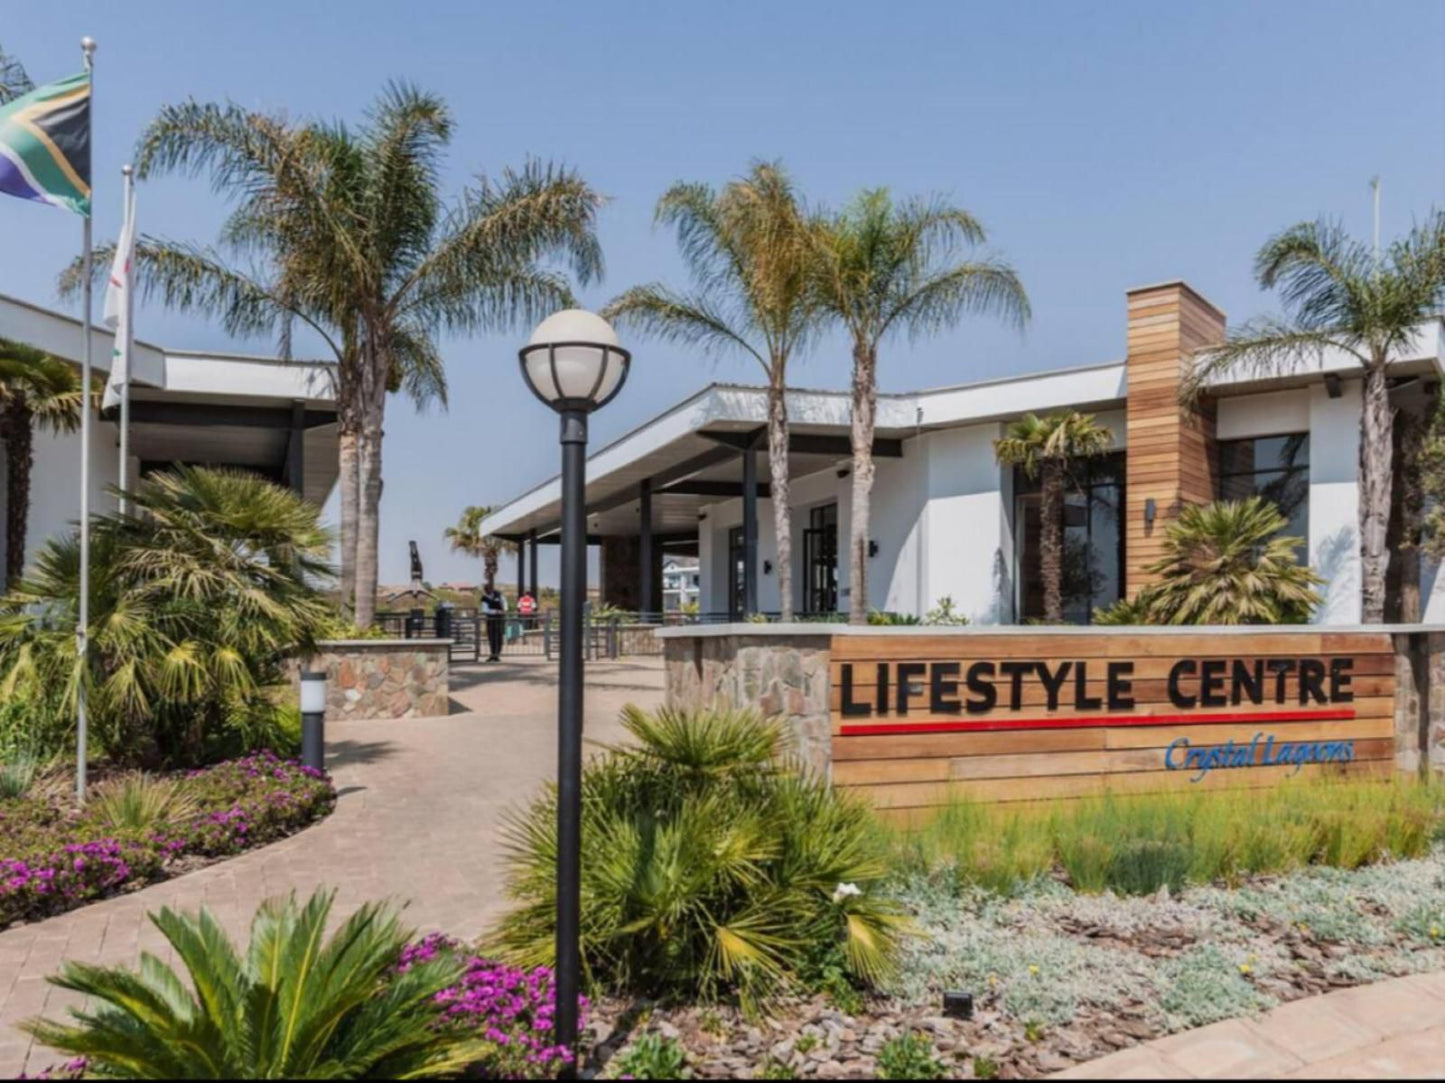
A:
{"x":527,"y":605}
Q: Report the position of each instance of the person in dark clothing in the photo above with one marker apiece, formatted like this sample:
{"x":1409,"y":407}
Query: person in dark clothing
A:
{"x":494,"y":609}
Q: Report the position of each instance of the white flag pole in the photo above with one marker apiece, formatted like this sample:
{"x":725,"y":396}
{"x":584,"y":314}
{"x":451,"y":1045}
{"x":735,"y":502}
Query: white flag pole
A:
{"x":128,"y":345}
{"x":82,"y":644}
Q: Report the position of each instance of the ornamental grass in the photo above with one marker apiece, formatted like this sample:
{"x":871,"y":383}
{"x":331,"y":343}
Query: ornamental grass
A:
{"x":1137,"y":844}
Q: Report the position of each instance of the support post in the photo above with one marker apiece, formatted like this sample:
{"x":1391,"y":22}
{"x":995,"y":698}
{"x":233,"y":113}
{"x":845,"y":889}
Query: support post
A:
{"x":532,"y":569}
{"x":569,"y":728}
{"x":644,"y":551}
{"x":296,"y":453}
{"x":750,"y":531}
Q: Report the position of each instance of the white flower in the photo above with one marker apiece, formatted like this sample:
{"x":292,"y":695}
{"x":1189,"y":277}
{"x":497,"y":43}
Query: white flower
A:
{"x":843,"y":891}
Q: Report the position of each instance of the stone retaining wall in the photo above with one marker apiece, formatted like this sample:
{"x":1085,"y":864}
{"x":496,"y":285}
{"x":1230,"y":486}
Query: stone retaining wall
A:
{"x":385,"y":678}
{"x":783,"y":675}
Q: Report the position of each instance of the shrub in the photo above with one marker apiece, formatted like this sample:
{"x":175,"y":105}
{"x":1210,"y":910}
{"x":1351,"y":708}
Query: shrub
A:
{"x":650,"y":1057}
{"x":198,"y":595}
{"x":909,"y":1056}
{"x":1227,"y":562}
{"x":944,"y":613}
{"x":291,"y":1006}
{"x":889,"y":619}
{"x":712,"y":866}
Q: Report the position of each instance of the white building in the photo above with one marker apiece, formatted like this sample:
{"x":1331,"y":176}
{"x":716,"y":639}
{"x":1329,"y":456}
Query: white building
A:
{"x":277,"y":418}
{"x":681,"y":584}
{"x":948,"y":520}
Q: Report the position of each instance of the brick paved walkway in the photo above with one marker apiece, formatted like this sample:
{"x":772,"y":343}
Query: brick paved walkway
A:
{"x":1389,"y":1030}
{"x":416,"y":820}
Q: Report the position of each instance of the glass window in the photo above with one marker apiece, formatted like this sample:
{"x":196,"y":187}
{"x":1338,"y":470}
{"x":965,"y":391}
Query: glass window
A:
{"x":1276,"y":468}
{"x":820,"y":560}
{"x":737,"y":567}
{"x":1093,"y":539}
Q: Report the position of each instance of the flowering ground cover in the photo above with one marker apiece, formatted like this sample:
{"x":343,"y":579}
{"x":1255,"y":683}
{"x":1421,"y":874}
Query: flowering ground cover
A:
{"x":53,"y":858}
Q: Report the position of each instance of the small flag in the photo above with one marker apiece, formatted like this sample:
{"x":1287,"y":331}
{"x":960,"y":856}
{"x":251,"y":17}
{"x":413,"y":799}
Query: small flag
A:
{"x":117,"y":305}
{"x":45,"y":145}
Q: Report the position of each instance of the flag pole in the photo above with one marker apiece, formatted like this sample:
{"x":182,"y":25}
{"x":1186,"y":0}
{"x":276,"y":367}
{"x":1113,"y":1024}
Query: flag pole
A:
{"x":82,"y":643}
{"x":129,"y":347}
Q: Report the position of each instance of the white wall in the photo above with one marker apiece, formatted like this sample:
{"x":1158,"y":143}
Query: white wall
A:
{"x":55,"y":482}
{"x":1334,"y":501}
{"x":968,"y":540}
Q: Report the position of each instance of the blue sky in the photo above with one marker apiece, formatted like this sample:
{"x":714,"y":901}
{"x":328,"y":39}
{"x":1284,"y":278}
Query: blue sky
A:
{"x":1104,"y":146}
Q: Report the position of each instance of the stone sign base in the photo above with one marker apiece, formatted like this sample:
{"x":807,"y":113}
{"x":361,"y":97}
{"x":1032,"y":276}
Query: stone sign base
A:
{"x":384,"y":678}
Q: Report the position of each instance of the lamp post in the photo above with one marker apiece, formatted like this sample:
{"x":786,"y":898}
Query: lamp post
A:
{"x":574,"y":364}
{"x":313,"y":719}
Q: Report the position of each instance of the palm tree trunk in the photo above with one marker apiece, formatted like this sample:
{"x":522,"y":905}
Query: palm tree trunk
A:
{"x":1051,"y":541}
{"x":349,"y":471}
{"x":1376,"y":440}
{"x":778,"y":468}
{"x":369,"y":521}
{"x":19,"y":434}
{"x":865,"y":411}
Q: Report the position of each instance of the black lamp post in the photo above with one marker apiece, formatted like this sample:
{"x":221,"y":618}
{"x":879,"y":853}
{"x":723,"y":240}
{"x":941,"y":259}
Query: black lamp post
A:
{"x":575,"y":365}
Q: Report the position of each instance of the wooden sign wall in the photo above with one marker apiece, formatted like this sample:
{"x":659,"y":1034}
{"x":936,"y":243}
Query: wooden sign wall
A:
{"x":918,"y":719}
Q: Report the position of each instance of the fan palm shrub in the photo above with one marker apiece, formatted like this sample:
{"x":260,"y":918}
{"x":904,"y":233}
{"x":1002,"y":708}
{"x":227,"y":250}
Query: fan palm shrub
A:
{"x":352,"y":237}
{"x":1341,"y":297}
{"x":293,"y":1005}
{"x":200,"y":592}
{"x":36,"y":391}
{"x":1227,"y":562}
{"x":712,"y":866}
{"x":1048,"y":446}
{"x":884,"y":268}
{"x":748,"y":252}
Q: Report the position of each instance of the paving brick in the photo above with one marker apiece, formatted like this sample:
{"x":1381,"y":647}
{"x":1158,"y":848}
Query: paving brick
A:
{"x":1229,"y":1050}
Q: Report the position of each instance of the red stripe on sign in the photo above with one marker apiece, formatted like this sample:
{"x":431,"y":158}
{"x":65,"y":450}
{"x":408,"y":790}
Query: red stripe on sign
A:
{"x":881,"y":729}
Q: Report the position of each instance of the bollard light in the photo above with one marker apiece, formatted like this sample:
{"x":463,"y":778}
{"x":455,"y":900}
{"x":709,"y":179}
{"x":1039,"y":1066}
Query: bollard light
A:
{"x":574,"y":364}
{"x":313,"y":719}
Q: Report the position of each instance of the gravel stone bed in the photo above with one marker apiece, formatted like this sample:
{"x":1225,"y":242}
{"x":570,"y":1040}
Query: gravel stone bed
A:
{"x":1060,"y":978}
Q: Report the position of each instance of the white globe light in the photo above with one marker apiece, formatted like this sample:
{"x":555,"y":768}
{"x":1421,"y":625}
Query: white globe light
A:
{"x":574,"y":360}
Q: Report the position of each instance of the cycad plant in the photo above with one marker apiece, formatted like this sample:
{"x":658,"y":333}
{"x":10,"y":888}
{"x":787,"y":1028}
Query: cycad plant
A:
{"x":467,"y":537}
{"x":1343,"y":298}
{"x":352,"y":237}
{"x":199,"y":593}
{"x":884,"y":268}
{"x":749,"y":255}
{"x":1228,"y":562}
{"x":711,"y":866}
{"x":294,"y":1005}
{"x":36,"y":391}
{"x":1048,"y":446}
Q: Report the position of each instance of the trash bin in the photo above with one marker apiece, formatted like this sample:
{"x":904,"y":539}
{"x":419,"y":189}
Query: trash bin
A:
{"x":444,"y":620}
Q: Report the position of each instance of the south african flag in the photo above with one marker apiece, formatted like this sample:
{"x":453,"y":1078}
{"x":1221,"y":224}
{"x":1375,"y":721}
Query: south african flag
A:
{"x":45,"y":145}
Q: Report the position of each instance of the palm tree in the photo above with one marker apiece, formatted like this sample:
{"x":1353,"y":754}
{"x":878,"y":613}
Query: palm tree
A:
{"x":466,"y":537}
{"x":746,"y":249}
{"x":13,"y":79}
{"x":884,"y":268}
{"x":1047,"y":446}
{"x":1342,"y":297}
{"x":1228,"y":562}
{"x":35,"y":390}
{"x":293,"y":1005}
{"x":356,"y":242}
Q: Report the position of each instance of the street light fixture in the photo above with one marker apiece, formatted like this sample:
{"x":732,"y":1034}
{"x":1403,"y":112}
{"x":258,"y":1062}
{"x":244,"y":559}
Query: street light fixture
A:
{"x":574,"y":363}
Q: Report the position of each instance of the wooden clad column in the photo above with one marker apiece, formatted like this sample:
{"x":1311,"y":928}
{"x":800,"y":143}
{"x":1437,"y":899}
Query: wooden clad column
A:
{"x":1171,"y":451}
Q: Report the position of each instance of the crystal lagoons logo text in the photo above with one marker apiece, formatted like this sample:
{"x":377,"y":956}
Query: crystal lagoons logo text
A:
{"x":1263,"y":751}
